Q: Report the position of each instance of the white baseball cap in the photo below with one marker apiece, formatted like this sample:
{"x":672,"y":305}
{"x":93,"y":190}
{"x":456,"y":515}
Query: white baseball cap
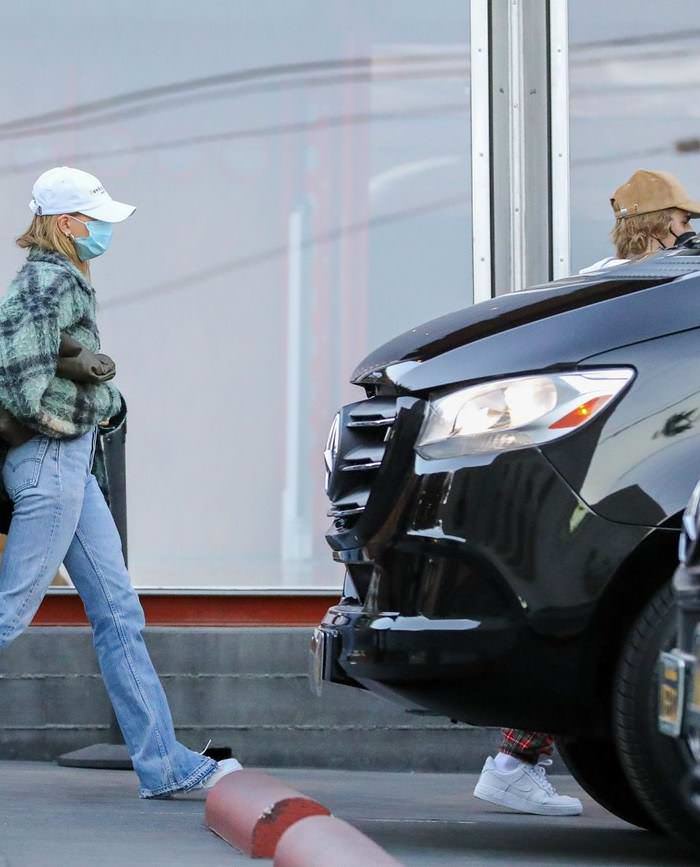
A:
{"x":69,"y":191}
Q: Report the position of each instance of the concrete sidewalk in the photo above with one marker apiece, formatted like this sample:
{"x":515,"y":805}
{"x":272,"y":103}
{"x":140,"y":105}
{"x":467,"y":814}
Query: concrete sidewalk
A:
{"x":82,"y":818}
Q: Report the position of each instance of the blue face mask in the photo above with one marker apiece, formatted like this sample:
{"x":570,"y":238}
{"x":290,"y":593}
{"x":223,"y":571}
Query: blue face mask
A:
{"x":97,"y":241}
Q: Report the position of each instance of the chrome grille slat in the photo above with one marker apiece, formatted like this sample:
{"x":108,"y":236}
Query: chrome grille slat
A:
{"x":352,"y":503}
{"x":364,"y":453}
{"x":361,"y":443}
{"x":360,"y":468}
{"x":380,"y":422}
{"x":342,"y":513}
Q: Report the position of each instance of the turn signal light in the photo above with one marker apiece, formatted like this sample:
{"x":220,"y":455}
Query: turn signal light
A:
{"x":582,"y":412}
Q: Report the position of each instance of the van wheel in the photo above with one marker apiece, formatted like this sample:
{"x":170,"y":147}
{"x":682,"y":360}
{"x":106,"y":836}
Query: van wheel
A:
{"x":595,"y":766}
{"x":655,"y":765}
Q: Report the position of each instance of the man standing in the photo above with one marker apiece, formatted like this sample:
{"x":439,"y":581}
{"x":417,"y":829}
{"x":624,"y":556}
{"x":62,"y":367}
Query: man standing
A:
{"x":652,"y":212}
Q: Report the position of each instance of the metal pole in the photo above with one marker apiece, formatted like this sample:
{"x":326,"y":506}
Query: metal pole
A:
{"x":480,"y":96}
{"x":296,"y":529}
{"x":559,"y":114}
{"x":517,"y":148}
{"x":522,"y":125}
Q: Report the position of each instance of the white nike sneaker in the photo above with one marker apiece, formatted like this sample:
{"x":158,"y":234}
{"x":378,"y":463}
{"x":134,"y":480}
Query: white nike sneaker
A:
{"x":526,"y":789}
{"x":224,"y":767}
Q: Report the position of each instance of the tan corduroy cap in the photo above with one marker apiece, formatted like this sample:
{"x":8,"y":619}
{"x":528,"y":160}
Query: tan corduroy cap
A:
{"x":649,"y":191}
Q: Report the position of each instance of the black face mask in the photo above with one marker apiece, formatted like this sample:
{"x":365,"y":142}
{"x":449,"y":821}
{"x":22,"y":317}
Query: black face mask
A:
{"x":682,"y":238}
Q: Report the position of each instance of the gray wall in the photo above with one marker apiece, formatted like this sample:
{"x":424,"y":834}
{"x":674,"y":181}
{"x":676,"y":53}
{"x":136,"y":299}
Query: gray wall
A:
{"x":244,"y":688}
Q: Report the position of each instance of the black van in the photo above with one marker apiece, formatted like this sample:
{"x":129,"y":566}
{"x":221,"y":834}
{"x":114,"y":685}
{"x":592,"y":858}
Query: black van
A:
{"x":506,"y":498}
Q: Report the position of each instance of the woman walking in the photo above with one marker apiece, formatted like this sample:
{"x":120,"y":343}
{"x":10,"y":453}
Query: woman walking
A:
{"x":49,"y":429}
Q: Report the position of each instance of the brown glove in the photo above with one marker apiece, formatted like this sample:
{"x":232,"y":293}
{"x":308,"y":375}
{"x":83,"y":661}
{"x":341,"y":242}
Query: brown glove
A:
{"x":75,"y":362}
{"x":79,"y":364}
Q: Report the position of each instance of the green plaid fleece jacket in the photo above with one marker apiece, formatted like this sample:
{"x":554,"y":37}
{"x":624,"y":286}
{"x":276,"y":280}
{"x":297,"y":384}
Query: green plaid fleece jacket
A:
{"x":50,"y":295}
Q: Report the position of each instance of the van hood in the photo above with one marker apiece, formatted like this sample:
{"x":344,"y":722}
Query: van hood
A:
{"x":548,"y":327}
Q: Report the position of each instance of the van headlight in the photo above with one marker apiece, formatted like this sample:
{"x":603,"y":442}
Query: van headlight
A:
{"x":513,"y":413}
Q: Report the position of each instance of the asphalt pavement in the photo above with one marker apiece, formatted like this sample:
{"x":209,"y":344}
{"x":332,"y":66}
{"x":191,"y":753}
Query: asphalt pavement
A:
{"x":66,"y":817}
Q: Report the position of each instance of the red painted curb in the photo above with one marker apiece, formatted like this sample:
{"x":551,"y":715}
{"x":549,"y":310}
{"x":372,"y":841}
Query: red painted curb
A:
{"x":190,"y":610}
{"x":322,"y":840}
{"x":251,"y":811}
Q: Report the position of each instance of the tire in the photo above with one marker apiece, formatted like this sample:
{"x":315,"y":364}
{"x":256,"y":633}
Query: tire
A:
{"x":656,"y":766}
{"x":595,"y":766}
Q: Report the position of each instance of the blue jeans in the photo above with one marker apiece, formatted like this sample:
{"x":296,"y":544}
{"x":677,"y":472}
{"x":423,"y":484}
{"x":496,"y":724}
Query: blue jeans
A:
{"x":60,"y":515}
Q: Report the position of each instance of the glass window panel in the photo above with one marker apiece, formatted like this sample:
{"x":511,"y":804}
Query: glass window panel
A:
{"x":301,"y":176}
{"x":632,"y":106}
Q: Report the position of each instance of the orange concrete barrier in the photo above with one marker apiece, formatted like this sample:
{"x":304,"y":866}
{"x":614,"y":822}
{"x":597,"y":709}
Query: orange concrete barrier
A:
{"x":251,"y":811}
{"x":322,"y":840}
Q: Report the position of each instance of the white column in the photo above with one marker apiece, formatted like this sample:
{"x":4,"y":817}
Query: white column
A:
{"x":527,"y":194}
{"x":481,"y":150}
{"x":516,"y":146}
{"x":559,"y":109}
{"x":296,"y":528}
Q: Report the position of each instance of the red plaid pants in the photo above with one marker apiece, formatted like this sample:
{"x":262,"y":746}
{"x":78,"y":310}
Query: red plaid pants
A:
{"x":528,"y":746}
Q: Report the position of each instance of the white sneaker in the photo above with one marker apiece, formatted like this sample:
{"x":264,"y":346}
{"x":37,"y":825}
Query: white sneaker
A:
{"x":224,"y":767}
{"x":526,"y":789}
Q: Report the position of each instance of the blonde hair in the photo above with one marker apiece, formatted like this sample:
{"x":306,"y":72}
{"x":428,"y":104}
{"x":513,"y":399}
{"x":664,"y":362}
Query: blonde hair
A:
{"x":43,"y":232}
{"x":631,"y":235}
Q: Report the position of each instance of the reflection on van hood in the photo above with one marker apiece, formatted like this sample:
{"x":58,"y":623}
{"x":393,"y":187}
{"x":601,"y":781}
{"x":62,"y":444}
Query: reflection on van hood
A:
{"x":554,"y":325}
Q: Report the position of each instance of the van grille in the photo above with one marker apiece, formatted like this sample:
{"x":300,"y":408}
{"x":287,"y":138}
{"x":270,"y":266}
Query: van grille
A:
{"x":355,"y":452}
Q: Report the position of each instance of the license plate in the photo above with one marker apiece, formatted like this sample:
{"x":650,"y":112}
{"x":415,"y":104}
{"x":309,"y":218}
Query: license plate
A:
{"x":694,"y":683}
{"x":693,"y":708}
{"x":317,"y":661}
{"x":672,"y":668}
